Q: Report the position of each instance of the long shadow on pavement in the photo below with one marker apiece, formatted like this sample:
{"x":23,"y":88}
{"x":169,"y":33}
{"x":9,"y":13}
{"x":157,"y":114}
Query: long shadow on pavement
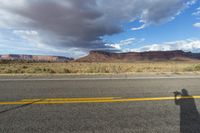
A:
{"x":18,"y":107}
{"x":189,"y":115}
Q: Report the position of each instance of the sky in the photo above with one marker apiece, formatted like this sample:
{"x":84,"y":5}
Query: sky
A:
{"x":72,"y":28}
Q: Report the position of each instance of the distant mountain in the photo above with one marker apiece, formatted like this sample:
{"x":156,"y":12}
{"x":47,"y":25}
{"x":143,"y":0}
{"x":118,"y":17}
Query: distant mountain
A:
{"x":35,"y":58}
{"x":103,"y":56}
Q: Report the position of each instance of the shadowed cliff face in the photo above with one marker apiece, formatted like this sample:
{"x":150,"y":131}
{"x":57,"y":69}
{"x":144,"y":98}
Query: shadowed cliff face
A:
{"x":103,"y":56}
{"x":35,"y":58}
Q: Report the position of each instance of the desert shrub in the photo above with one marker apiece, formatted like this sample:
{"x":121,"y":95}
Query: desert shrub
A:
{"x":197,"y":67}
{"x":24,"y":67}
{"x":139,"y":70}
{"x":188,"y":69}
{"x":65,"y":70}
{"x":37,"y":70}
{"x":7,"y":71}
{"x":52,"y":71}
{"x":11,"y":71}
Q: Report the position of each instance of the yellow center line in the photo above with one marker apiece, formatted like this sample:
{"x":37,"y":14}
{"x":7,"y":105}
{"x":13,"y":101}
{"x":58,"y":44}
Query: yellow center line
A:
{"x":70,"y":99}
{"x":90,"y":100}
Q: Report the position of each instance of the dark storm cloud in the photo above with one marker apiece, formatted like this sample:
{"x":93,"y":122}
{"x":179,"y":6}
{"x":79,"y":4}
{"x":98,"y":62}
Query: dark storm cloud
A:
{"x":82,"y":23}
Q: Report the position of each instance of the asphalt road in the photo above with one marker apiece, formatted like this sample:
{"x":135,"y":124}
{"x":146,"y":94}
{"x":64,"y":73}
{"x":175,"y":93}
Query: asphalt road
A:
{"x":143,"y":105}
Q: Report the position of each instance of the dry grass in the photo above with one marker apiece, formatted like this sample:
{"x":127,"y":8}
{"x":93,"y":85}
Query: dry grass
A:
{"x":63,"y":68}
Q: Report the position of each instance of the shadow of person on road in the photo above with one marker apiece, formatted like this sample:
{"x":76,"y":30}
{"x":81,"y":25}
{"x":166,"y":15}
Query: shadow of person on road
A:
{"x":189,"y":115}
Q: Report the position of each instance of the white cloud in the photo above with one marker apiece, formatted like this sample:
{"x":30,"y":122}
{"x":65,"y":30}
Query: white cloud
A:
{"x":197,"y":12}
{"x":32,"y":37}
{"x":192,"y":45}
{"x":122,"y":43}
{"x":36,"y":44}
{"x":26,"y":32}
{"x":139,"y":28}
{"x":127,"y":41}
{"x":197,"y":25}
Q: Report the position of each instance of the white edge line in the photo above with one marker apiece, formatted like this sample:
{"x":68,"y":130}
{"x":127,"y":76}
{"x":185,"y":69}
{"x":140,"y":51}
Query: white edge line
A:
{"x":82,"y":79}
